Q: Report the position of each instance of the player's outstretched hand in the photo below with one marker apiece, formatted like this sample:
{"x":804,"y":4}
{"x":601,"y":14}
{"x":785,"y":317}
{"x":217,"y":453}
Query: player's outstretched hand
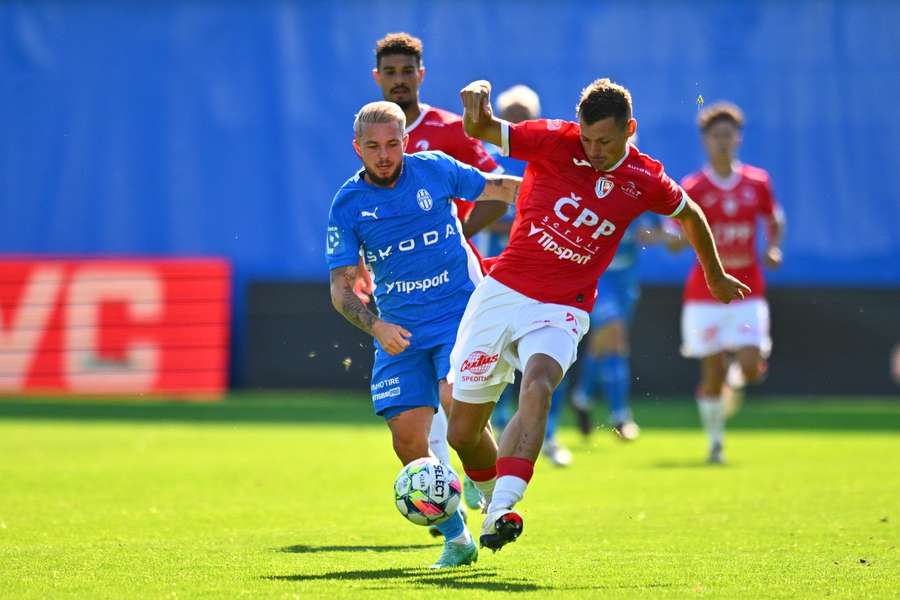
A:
{"x":393,"y":338}
{"x":727,"y":288}
{"x":476,"y":99}
{"x":773,"y":257}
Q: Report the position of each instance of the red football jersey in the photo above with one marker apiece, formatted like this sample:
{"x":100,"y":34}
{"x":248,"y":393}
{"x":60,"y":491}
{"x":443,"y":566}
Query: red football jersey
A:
{"x":437,"y":129}
{"x":733,"y":207}
{"x":570,"y":217}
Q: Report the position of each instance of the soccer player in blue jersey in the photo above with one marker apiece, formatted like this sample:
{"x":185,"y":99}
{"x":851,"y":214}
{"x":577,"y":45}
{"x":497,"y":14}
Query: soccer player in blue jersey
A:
{"x":605,"y":366}
{"x":398,"y":212}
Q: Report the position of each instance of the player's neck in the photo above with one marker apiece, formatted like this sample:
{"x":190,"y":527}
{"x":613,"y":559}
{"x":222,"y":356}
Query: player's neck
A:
{"x":412,"y":112}
{"x":724,"y":168}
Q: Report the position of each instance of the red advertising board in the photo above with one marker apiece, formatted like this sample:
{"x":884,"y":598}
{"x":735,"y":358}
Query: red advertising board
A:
{"x":114,"y":326}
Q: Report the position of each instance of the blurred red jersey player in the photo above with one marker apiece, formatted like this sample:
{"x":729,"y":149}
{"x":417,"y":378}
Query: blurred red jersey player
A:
{"x":734,"y":197}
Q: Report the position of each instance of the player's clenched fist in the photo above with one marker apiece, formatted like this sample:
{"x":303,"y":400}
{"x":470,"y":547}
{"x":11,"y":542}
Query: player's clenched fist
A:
{"x":393,"y":338}
{"x":476,"y":99}
{"x":726,"y":288}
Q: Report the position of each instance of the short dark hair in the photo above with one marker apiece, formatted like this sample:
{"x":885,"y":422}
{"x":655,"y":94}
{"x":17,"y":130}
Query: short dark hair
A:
{"x":720,"y":111}
{"x":398,"y":43}
{"x":602,"y":99}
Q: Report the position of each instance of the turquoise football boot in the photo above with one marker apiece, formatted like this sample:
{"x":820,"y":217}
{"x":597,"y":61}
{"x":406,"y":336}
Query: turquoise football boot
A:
{"x":457,"y":555}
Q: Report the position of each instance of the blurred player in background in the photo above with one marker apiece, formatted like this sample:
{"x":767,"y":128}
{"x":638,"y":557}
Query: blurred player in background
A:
{"x":399,"y":212}
{"x":399,"y":72}
{"x":734,"y":196}
{"x":583,"y":186}
{"x":520,"y":103}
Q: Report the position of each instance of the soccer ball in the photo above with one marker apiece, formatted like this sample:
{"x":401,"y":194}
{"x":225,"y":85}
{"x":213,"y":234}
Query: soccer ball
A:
{"x":427,"y":492}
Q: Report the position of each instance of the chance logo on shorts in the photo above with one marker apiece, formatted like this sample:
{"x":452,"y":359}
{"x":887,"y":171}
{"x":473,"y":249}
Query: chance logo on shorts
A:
{"x":424,"y":199}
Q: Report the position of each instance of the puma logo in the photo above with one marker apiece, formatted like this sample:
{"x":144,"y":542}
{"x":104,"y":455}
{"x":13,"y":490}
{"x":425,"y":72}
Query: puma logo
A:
{"x":369,"y":213}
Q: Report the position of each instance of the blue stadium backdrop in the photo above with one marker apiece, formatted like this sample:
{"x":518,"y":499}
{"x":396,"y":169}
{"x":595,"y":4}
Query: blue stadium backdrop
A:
{"x":223,"y":128}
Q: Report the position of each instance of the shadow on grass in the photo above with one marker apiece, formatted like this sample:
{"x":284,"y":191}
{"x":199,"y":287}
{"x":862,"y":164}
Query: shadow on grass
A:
{"x":466,"y":578}
{"x":306,"y":549}
{"x":341,"y":407}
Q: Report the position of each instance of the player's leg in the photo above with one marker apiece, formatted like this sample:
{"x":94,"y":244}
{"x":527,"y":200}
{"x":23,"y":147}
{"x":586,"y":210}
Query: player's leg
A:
{"x":710,"y":403}
{"x":546,"y":354}
{"x":611,"y":347}
{"x":752,"y":339}
{"x":701,"y":331}
{"x":409,"y":431}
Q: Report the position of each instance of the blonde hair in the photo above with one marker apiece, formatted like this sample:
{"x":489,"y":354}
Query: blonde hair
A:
{"x":379,"y":112}
{"x":522,"y":95}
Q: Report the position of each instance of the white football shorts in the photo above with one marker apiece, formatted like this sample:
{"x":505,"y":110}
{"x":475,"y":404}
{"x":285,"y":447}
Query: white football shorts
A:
{"x":500,"y":330}
{"x":709,"y":328}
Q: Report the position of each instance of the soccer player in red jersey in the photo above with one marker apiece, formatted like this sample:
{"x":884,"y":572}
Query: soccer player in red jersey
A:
{"x":583,"y":185}
{"x":734,"y":197}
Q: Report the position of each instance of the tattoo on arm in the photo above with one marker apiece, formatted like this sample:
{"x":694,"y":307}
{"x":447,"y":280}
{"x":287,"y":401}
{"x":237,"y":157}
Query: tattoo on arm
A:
{"x":346,"y":302}
{"x":501,"y":187}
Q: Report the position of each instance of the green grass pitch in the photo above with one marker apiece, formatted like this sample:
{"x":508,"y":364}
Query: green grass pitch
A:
{"x":289,"y":495}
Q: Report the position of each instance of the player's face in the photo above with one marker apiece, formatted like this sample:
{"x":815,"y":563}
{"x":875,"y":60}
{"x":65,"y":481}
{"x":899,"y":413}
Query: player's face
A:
{"x":604,"y":141}
{"x":381,"y":146}
{"x":399,"y":77}
{"x":721,"y":140}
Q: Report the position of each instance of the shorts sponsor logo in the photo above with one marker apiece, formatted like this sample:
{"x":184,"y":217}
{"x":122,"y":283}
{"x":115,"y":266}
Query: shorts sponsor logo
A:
{"x":421,"y":285}
{"x":424,"y":200}
{"x":391,"y":381}
{"x":603,"y":187}
{"x":479,"y":363}
{"x":391,"y":393}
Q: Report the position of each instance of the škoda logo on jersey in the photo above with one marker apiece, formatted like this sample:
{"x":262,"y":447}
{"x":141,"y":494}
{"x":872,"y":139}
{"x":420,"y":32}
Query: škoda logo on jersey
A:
{"x":479,"y":364}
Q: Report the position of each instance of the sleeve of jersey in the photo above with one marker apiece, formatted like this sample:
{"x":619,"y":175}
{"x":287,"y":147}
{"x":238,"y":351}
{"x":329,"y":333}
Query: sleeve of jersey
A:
{"x":768,"y":205}
{"x":528,"y":140}
{"x":342,"y":243}
{"x":669,"y":199}
{"x":466,"y":181}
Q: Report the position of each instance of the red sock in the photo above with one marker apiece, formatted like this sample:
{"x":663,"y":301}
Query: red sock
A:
{"x":481,"y":474}
{"x":515,"y":466}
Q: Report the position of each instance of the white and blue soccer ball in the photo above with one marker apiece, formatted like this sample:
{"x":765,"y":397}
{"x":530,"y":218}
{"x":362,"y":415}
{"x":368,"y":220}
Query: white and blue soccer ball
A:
{"x":427,"y":491}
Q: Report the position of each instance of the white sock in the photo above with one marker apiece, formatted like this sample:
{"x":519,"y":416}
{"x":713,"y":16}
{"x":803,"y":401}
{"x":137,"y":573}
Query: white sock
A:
{"x":486,"y":488}
{"x":464,"y":538}
{"x":507,"y":492}
{"x":712,"y":414}
{"x":437,"y":438}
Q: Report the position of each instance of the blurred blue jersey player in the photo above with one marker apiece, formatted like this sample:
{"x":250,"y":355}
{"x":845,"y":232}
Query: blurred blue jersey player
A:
{"x":520,"y":103}
{"x":398,"y":214}
{"x":605,"y":367}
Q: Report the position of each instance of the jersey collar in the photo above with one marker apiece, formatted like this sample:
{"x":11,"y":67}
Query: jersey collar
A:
{"x":724,"y":183}
{"x":424,"y":109}
{"x":625,"y":156}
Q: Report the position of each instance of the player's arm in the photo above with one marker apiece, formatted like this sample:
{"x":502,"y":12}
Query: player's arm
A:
{"x":393,"y":338}
{"x":478,"y":117}
{"x":774,"y":236}
{"x":723,"y":286}
{"x":499,"y":192}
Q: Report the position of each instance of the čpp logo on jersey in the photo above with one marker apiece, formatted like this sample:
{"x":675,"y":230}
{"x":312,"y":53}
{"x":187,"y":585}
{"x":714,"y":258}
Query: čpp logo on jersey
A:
{"x":423,"y":285}
{"x":586,"y":217}
{"x":603,"y":187}
{"x":424,"y":199}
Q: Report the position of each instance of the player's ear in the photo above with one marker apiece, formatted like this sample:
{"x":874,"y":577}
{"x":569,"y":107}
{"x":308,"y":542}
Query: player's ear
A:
{"x":631,"y":127}
{"x":356,"y":147}
{"x":376,"y":75}
{"x":421,"y":75}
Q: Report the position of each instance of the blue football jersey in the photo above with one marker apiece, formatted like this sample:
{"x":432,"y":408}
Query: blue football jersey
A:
{"x":410,"y":236}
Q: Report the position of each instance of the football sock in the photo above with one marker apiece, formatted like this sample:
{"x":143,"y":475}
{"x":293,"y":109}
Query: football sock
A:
{"x":437,"y":437}
{"x":484,"y":480}
{"x":615,"y":377}
{"x":712,"y":414}
{"x":453,"y":527}
{"x":513,"y":475}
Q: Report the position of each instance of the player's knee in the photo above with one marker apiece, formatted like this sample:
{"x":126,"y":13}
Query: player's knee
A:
{"x":461,"y":436}
{"x":409,"y":445}
{"x":536,"y":393}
